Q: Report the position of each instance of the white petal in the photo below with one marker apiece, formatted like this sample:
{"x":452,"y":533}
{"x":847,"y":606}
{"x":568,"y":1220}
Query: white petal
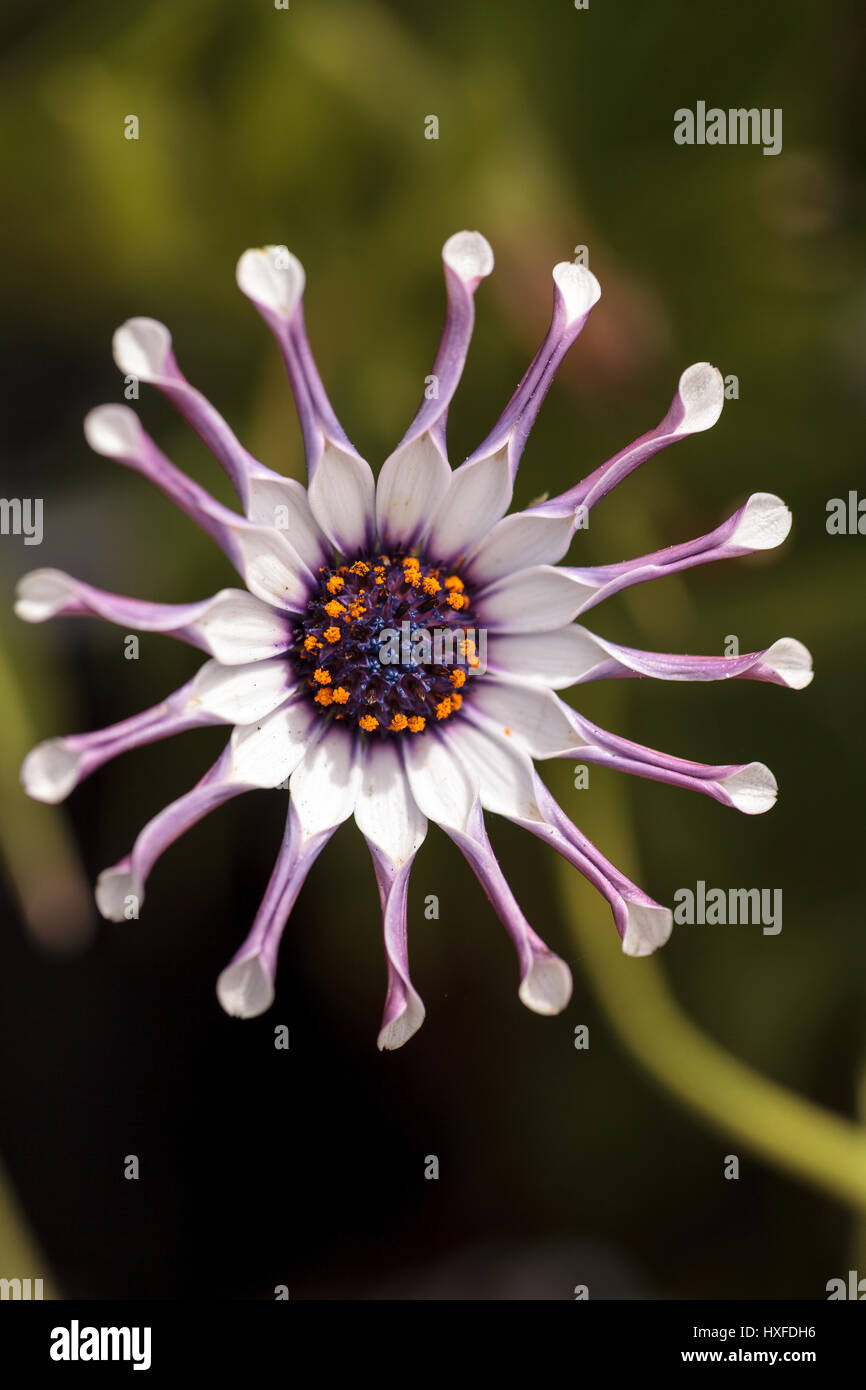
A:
{"x":282,"y":503}
{"x":342,"y":498}
{"x":579,"y":289}
{"x":647,"y":928}
{"x":701,"y":390}
{"x":42,"y":593}
{"x":141,"y":347}
{"x":505,"y":775}
{"x":113,"y":431}
{"x":765,"y":523}
{"x":113,"y":888}
{"x":411,"y":485}
{"x":555,"y":659}
{"x":790,"y":660}
{"x":753,"y":789}
{"x":245,"y":990}
{"x":518,"y":541}
{"x":478,"y":495}
{"x":404,"y":1026}
{"x":325,"y":786}
{"x":443,"y":790}
{"x":267,"y":752}
{"x":50,"y":771}
{"x":272,"y":277}
{"x":533,"y":600}
{"x":272,"y":570}
{"x":469,"y":255}
{"x":239,"y":628}
{"x":243,"y":694}
{"x":385,"y":812}
{"x":546,"y":989}
{"x":531,"y":717}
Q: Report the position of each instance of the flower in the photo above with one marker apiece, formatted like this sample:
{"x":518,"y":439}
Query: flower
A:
{"x":326,"y":663}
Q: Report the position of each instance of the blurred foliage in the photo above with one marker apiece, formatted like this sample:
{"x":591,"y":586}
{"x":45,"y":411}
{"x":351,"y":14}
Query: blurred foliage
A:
{"x":306,"y":126}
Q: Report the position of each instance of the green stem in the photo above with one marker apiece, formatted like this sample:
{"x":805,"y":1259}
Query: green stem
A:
{"x":787,"y":1131}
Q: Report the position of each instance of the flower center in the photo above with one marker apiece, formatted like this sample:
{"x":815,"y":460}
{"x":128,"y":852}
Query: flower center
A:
{"x":386,"y":644}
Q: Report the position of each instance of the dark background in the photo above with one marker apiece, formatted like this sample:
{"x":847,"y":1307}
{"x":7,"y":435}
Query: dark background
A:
{"x":306,"y":127}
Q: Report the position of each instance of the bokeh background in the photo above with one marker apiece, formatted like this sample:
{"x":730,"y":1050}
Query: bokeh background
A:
{"x":305,"y":126}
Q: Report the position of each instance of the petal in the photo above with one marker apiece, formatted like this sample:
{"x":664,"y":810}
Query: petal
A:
{"x":120,"y":889}
{"x":511,"y":787}
{"x":552,"y":659}
{"x":479,"y":494}
{"x":696,"y":406}
{"x":441,"y":788}
{"x":283,"y":503}
{"x":532,"y":717}
{"x":533,"y":600}
{"x":539,"y":723}
{"x":394,"y":829}
{"x":142,"y":348}
{"x":576,"y":291}
{"x":233,"y":626}
{"x":238,"y":628}
{"x":573,"y":655}
{"x":466,"y":260}
{"x":445,"y":787}
{"x":762,"y":523}
{"x":264,"y":754}
{"x":271,"y":568}
{"x":324,"y":787}
{"x":243,"y":694}
{"x":52,"y":769}
{"x":411,"y":486}
{"x":342,"y":499}
{"x":274,"y":280}
{"x":386,"y":813}
{"x":245,"y":988}
{"x":516,"y":543}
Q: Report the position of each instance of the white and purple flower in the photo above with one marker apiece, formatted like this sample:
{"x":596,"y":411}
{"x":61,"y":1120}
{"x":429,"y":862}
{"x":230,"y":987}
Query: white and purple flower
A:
{"x":304,"y":662}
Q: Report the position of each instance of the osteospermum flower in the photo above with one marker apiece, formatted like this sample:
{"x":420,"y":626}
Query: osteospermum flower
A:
{"x":326,"y":662}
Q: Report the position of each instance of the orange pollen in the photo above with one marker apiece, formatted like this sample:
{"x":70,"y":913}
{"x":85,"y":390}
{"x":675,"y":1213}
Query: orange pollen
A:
{"x":368,"y":722}
{"x":341,"y":694}
{"x":359,"y":567}
{"x":332,"y":634}
{"x":456,"y":700}
{"x":457,"y":600}
{"x":416,"y":724}
{"x":398,"y":723}
{"x":452,"y":582}
{"x":335,"y":584}
{"x":323,"y":677}
{"x":324,"y":697}
{"x":431,"y":585}
{"x":458,"y":678}
{"x":444,"y":708}
{"x":311,"y":644}
{"x":334,"y":609}
{"x":357,"y":609}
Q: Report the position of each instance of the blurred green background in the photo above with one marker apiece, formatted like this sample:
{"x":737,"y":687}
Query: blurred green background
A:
{"x":305,"y":126}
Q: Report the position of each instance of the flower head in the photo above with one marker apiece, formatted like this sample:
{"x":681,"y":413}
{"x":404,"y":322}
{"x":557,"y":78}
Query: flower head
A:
{"x":355,"y":661}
